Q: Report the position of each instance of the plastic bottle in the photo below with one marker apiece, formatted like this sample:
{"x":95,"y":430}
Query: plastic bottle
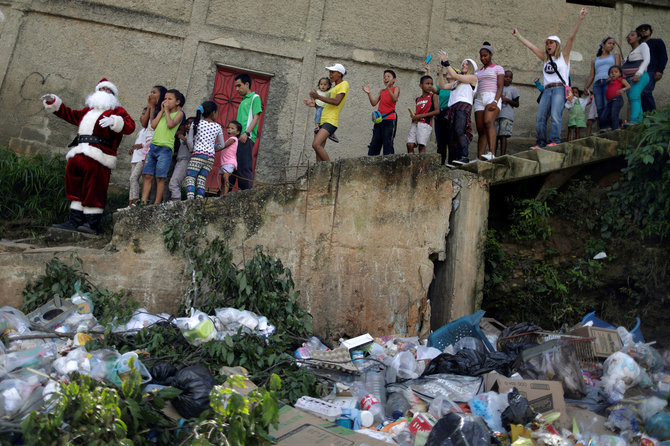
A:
{"x":396,"y":405}
{"x":376,"y":384}
{"x":369,"y":402}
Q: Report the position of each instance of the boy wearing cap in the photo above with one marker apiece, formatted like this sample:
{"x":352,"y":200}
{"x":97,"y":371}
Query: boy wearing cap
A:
{"x":383,"y":132}
{"x":331,"y":111}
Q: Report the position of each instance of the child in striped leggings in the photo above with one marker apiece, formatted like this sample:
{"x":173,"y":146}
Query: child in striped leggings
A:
{"x":206,"y":138}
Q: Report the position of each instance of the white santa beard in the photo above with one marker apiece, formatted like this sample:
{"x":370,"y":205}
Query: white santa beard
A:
{"x":102,"y":100}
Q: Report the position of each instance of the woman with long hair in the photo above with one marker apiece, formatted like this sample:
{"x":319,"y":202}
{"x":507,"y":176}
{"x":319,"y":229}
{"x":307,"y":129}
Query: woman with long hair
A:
{"x":556,"y":72}
{"x":635,"y":71}
{"x":600,"y":66}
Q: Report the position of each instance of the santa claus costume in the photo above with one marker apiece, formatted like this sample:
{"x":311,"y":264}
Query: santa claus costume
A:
{"x":92,"y":156}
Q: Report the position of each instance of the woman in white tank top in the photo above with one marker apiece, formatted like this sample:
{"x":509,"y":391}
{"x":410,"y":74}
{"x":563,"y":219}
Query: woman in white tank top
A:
{"x":552,"y":100}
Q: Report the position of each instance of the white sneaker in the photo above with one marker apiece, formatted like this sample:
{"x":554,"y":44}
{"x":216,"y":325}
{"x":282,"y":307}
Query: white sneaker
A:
{"x":488,"y":155}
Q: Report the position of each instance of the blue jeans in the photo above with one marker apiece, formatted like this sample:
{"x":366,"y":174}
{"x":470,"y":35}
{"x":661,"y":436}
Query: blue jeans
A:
{"x":158,"y":161}
{"x":382,"y":136}
{"x":599,"y":90}
{"x":612,"y":113}
{"x":551,"y":105}
{"x":648,"y":102}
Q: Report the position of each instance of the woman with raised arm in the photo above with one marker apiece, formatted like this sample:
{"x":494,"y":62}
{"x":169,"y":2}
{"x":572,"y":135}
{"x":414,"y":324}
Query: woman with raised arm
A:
{"x":459,"y":130}
{"x":605,"y":59}
{"x":556,"y":72}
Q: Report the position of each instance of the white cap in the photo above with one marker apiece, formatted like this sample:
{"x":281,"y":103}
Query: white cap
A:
{"x":474,"y":64}
{"x":554,"y":38}
{"x":337,"y":67}
{"x":367,"y":418}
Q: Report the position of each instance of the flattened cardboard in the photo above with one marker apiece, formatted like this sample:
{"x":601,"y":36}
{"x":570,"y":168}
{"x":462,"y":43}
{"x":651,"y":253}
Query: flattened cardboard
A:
{"x":298,"y":428}
{"x":543,"y":396}
{"x":606,"y":341}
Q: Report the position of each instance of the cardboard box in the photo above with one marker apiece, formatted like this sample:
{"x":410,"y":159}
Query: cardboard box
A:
{"x":543,"y":396}
{"x":298,"y":428}
{"x":606,"y":341}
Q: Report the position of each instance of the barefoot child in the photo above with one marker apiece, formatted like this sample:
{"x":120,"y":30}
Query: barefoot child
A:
{"x":616,"y":88}
{"x":427,"y":106}
{"x":505,"y":121}
{"x":576,"y":114}
{"x":229,"y":155}
{"x":206,"y":138}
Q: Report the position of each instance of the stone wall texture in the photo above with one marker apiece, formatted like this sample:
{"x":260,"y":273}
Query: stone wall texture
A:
{"x":66,"y":47}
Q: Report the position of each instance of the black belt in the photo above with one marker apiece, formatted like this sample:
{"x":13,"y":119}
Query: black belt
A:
{"x":90,"y":139}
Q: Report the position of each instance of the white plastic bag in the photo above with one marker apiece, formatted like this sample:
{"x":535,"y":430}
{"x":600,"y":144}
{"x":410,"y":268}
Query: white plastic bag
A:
{"x":403,"y":366}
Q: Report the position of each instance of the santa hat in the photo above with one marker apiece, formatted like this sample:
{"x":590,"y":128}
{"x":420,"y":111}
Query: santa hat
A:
{"x":105,"y":83}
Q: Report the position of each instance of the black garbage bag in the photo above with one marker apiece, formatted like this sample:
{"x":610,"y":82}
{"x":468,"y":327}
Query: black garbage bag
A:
{"x":518,"y":411}
{"x":460,"y":429}
{"x":196,"y":383}
{"x":161,"y":371}
{"x":471,"y":363}
{"x":521,"y":333}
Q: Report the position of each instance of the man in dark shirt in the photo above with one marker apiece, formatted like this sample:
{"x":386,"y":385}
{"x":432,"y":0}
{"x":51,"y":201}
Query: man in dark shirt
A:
{"x":659,"y":57}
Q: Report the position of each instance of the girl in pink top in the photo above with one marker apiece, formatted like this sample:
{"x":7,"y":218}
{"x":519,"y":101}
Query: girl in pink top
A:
{"x":229,"y":155}
{"x":490,"y":81}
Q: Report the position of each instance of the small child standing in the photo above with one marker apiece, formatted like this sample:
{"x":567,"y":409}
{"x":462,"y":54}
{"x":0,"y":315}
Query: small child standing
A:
{"x":229,"y":155}
{"x":616,"y":88}
{"x":505,"y":121}
{"x":136,"y":165}
{"x":591,"y":115}
{"x":427,"y":106}
{"x":183,"y":158}
{"x":576,"y":116}
{"x":206,"y":138}
{"x":158,"y":160}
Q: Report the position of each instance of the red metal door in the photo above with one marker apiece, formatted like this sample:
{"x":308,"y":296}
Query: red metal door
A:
{"x":228,"y":100}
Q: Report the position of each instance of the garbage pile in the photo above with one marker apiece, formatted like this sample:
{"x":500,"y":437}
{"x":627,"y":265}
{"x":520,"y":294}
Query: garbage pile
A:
{"x":46,"y":346}
{"x":472,"y":382}
{"x":477,"y":382}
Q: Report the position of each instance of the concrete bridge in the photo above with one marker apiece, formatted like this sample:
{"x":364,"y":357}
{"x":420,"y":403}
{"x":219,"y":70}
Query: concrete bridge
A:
{"x":381,"y":245}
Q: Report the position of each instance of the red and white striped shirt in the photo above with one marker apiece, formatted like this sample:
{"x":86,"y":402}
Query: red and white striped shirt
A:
{"x":487,"y":78}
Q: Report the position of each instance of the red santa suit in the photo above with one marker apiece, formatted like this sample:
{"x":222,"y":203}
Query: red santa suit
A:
{"x":93,"y":156}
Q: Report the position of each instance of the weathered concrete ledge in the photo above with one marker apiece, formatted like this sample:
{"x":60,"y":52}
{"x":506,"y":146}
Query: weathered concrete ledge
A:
{"x":360,"y":236}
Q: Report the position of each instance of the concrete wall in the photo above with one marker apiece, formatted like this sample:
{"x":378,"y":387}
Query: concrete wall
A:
{"x":359,"y":236}
{"x":66,"y":47}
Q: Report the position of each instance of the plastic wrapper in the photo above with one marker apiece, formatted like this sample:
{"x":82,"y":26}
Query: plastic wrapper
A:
{"x":556,"y":361}
{"x":197,"y":328}
{"x":13,"y":320}
{"x":196,"y":383}
{"x":396,"y":405}
{"x":39,"y":357}
{"x":659,"y":426}
{"x":644,"y":407}
{"x":490,"y":406}
{"x":471,"y":343}
{"x":620,"y":372}
{"x":77,"y":360}
{"x":441,"y":406}
{"x":142,"y":319}
{"x":122,"y":367}
{"x":471,"y":363}
{"x":459,"y":429}
{"x":454,"y":387}
{"x":645,"y":355}
{"x":402,"y":366}
{"x":518,"y":410}
{"x":19,"y":393}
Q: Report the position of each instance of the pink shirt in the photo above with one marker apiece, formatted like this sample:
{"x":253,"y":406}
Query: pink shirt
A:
{"x":487,"y":78}
{"x":229,"y":154}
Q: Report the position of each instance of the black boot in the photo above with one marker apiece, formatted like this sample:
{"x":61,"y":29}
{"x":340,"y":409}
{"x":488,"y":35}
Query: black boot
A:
{"x":76,"y":220}
{"x":91,"y":225}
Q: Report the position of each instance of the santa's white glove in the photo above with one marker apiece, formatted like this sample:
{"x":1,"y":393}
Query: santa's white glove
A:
{"x":107,"y":121}
{"x":48,"y":99}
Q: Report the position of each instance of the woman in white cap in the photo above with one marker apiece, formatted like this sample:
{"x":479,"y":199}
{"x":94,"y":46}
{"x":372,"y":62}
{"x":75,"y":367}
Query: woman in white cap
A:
{"x":556,"y":77}
{"x":459,"y":113}
{"x":331,"y":111}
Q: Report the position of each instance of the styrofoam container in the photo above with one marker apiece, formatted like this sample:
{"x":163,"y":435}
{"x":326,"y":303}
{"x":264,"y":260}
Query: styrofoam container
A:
{"x":320,"y":408}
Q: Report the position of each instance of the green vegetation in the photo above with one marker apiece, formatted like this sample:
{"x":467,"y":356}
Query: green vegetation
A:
{"x":32,"y":191}
{"x":536,"y":269}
